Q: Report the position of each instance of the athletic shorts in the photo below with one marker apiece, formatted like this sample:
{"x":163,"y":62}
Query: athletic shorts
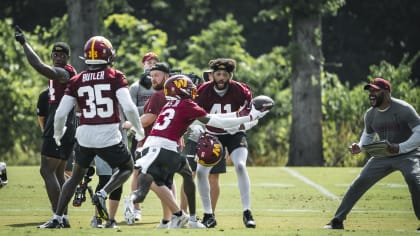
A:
{"x":50,"y":149}
{"x":115,"y":155}
{"x":102,"y":168}
{"x":190,"y":151}
{"x":161,"y":164}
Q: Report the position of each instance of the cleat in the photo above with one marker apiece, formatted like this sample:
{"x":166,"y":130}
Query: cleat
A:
{"x":179,"y":221}
{"x":96,"y":222}
{"x":162,"y":225}
{"x":209,"y":220}
{"x":66,"y":223}
{"x":111,"y":224}
{"x":129,"y":214}
{"x":51,"y":224}
{"x":196,"y":225}
{"x":334,"y":224}
{"x":137,"y":214}
{"x":100,"y":202}
{"x":248,"y":219}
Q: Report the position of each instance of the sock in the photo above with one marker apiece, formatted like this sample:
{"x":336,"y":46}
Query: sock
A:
{"x":165,"y":221}
{"x":179,"y":213}
{"x":58,"y":218}
{"x":193,"y":218}
{"x":238,"y":157}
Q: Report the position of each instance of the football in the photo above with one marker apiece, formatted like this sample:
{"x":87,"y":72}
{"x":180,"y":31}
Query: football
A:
{"x":262,"y":103}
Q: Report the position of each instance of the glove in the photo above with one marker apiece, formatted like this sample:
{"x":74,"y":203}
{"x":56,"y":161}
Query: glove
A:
{"x":196,"y":130}
{"x":256,"y":114}
{"x":57,"y":137}
{"x":19,"y":36}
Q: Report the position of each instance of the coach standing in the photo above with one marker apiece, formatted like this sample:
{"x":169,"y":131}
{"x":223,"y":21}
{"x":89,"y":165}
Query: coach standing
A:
{"x":397,"y":122}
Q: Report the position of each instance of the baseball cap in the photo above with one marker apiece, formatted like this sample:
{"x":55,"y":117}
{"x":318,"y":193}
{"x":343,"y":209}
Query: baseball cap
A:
{"x":162,"y":66}
{"x":379,"y":83}
{"x":61,"y":47}
{"x":148,"y":56}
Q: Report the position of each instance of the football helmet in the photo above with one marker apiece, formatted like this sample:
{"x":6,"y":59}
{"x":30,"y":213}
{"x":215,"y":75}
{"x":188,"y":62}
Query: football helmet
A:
{"x":209,"y":151}
{"x":98,"y":50}
{"x":180,"y":87}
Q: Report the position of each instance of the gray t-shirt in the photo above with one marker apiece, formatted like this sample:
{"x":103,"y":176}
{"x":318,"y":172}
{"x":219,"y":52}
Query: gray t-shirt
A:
{"x":140,"y":95}
{"x":394,"y":124}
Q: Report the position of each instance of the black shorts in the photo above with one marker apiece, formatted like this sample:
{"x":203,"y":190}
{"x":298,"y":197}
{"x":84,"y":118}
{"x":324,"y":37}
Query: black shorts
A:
{"x":50,"y":149}
{"x":164,"y":166}
{"x":231,"y":142}
{"x":115,"y":155}
{"x":190,"y":151}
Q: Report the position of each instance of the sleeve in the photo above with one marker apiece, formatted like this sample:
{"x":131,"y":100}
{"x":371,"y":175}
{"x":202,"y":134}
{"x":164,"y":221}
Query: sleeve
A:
{"x":65,"y":106}
{"x":130,"y":110}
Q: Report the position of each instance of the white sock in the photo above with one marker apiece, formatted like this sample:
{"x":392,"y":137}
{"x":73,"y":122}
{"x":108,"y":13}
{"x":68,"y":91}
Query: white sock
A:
{"x":58,"y":218}
{"x":238,"y":157}
{"x":193,"y":218}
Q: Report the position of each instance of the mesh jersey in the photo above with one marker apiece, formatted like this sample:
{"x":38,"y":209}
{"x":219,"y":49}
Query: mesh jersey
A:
{"x":236,"y":96}
{"x":56,"y":89}
{"x":394,"y":124}
{"x":95,"y":92}
{"x":175,"y":118}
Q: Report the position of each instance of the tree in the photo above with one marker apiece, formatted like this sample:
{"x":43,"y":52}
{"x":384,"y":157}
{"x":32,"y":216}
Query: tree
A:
{"x":307,"y":64}
{"x":79,"y":12}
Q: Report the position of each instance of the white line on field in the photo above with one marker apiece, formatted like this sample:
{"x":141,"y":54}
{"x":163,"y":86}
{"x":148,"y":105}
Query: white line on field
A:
{"x":311,"y":183}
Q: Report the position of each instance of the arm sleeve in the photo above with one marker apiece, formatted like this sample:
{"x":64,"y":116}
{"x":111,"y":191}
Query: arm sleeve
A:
{"x":130,"y":109}
{"x":412,"y":142}
{"x":66,"y":104}
{"x":366,"y":138}
{"x":220,"y":121}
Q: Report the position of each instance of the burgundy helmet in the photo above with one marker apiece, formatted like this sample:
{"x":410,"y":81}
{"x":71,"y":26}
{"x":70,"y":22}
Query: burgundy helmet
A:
{"x":180,"y":87}
{"x":209,"y":151}
{"x":98,"y":51}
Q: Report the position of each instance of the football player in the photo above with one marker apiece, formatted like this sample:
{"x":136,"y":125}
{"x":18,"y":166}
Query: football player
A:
{"x":222,"y":96}
{"x":97,"y":92}
{"x":53,"y":158}
{"x":160,"y":157}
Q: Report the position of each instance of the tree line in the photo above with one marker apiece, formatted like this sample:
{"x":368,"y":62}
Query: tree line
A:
{"x":333,"y":111}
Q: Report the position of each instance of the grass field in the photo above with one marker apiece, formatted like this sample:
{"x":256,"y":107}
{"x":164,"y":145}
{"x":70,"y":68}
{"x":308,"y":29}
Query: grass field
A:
{"x":285,"y":201}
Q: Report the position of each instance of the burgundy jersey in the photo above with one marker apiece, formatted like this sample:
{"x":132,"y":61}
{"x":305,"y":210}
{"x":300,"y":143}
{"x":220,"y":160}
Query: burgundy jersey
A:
{"x":153,"y":105}
{"x":95,"y":92}
{"x":56,"y":89}
{"x":236,"y":96}
{"x":175,"y":118}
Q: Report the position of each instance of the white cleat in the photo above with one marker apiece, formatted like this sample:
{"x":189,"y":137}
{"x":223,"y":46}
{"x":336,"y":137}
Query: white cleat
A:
{"x":129,"y":214}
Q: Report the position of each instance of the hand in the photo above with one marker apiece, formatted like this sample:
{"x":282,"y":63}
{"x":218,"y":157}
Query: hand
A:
{"x":394,"y":148}
{"x":243,"y":110}
{"x":196,"y":130}
{"x":354,"y":148}
{"x":57,"y":136}
{"x":57,"y":140}
{"x":19,"y":36}
{"x":256,"y":114}
{"x":126,"y":125}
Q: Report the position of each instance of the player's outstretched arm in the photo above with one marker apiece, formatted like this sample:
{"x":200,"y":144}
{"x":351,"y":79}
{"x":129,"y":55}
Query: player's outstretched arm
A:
{"x":50,"y":72}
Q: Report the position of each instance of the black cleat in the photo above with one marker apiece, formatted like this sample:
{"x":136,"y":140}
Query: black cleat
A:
{"x":334,"y":224}
{"x":100,"y":202}
{"x":66,"y":223}
{"x":51,"y":224}
{"x":248,"y":219}
{"x":209,"y":220}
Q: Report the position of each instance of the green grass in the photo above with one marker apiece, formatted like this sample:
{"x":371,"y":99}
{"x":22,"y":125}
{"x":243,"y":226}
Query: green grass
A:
{"x":282,"y":204}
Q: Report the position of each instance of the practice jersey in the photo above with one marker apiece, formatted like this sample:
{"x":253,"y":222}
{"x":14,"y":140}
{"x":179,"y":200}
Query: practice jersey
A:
{"x":154,"y":106}
{"x":395,"y":124}
{"x":175,"y":118}
{"x":237,"y":95}
{"x":95,"y":92}
{"x":56,"y":89}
